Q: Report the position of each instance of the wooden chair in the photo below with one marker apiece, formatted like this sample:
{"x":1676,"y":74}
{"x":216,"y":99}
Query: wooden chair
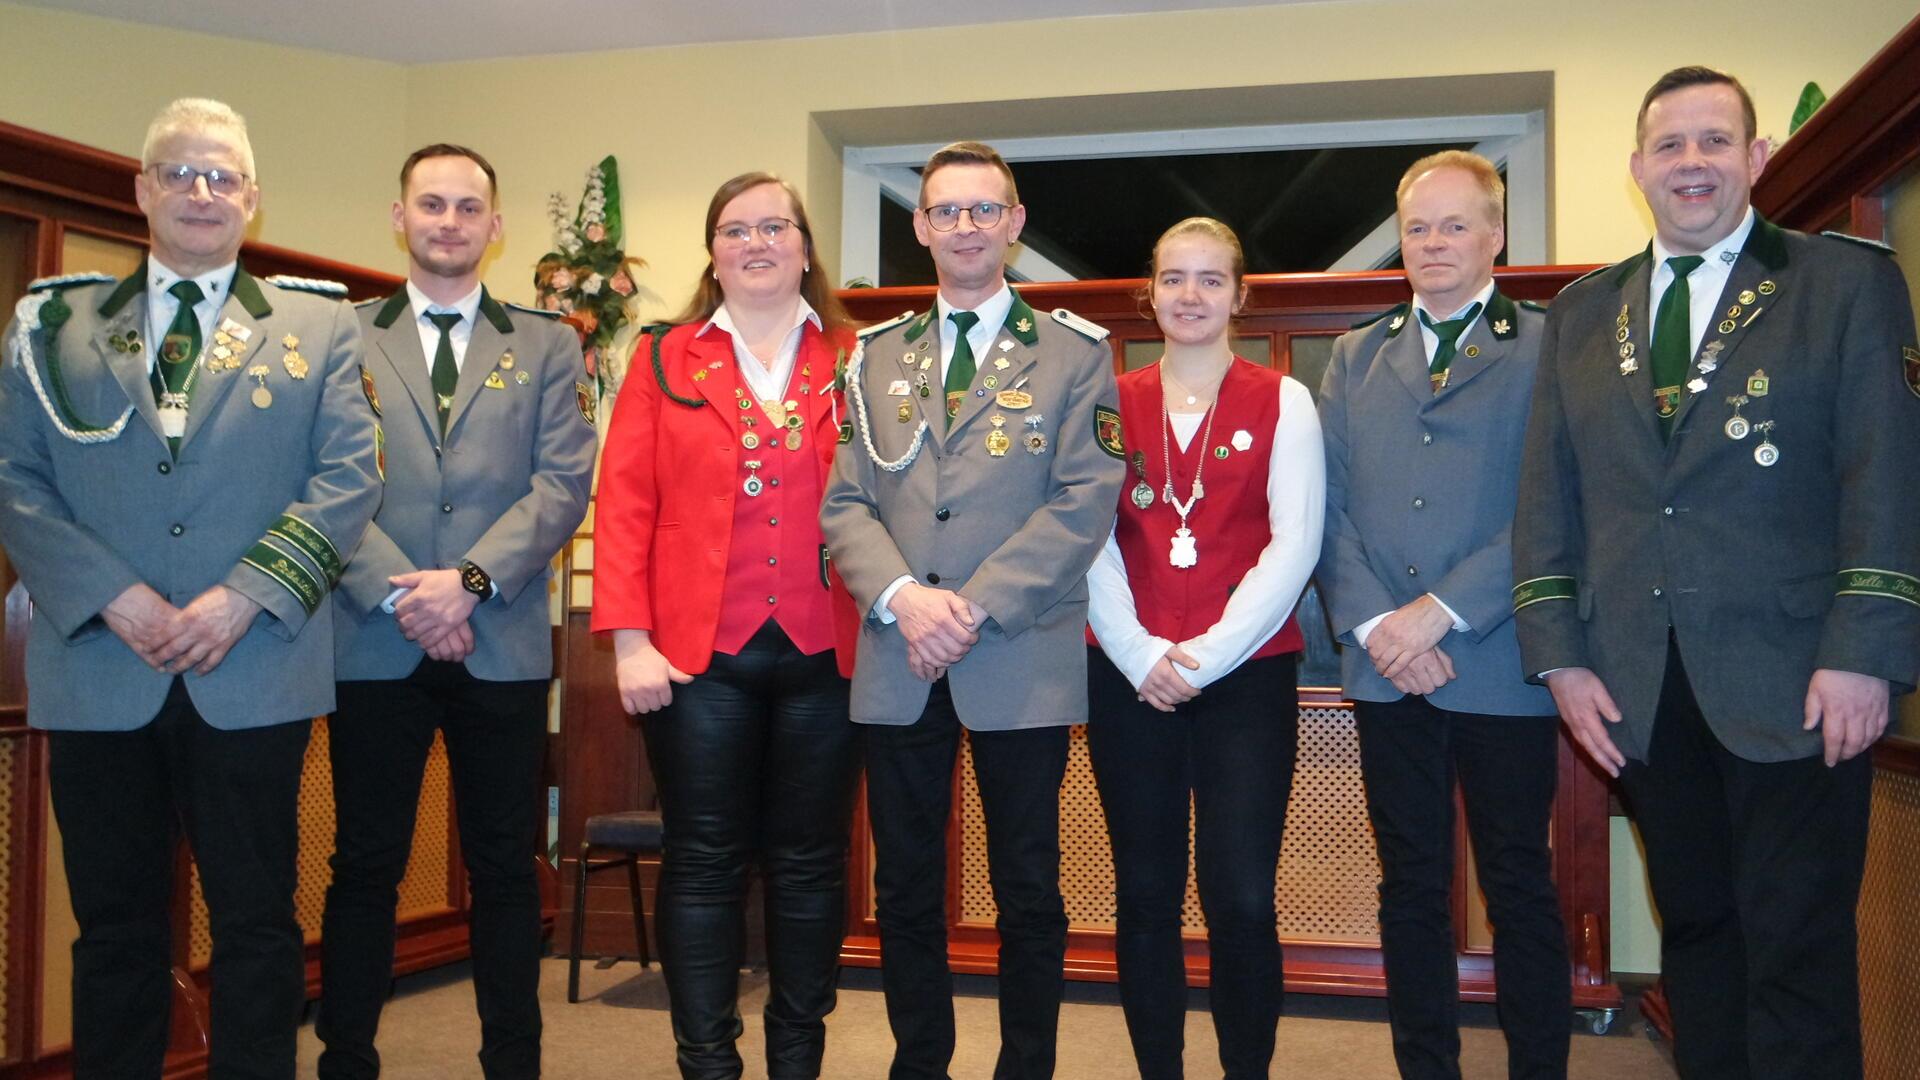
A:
{"x":630,"y":833}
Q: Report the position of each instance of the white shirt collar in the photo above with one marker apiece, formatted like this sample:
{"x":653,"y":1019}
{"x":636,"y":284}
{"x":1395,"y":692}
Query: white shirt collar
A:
{"x":213,"y":284}
{"x":722,"y":319}
{"x":1481,"y":298}
{"x":468,"y":306}
{"x":1720,"y":255}
{"x":767,"y":381}
{"x":992,"y":311}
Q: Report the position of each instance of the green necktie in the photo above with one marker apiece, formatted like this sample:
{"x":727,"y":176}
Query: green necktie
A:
{"x":1448,"y":332}
{"x":960,"y":370}
{"x":445,"y":374}
{"x":1672,"y":341}
{"x":173,"y":368}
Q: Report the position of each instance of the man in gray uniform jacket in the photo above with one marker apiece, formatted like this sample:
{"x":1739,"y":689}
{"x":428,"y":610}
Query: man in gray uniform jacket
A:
{"x":1423,"y":412}
{"x":443,"y":614}
{"x":184,"y":458}
{"x":964,"y":522}
{"x":1719,"y":575}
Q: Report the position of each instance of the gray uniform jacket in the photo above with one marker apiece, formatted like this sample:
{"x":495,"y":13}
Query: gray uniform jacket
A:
{"x":506,"y":489}
{"x":263,"y":499}
{"x":1420,"y":496}
{"x":1014,"y":532}
{"x":1764,"y":572}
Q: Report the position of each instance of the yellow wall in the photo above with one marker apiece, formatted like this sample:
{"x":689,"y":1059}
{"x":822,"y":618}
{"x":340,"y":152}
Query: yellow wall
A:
{"x":329,"y":131}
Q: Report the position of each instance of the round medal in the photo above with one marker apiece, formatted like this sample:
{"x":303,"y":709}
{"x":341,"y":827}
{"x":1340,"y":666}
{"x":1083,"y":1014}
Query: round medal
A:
{"x":753,"y":485}
{"x":262,"y":397}
{"x":1142,"y":495}
{"x":750,"y":441}
{"x":793,"y":440}
{"x":1738,"y":428}
{"x":1766,"y":454}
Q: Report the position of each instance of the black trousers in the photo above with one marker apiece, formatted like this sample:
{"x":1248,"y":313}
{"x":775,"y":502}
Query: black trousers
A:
{"x":1756,"y":869}
{"x":1411,"y":751}
{"x":909,"y":798}
{"x":121,"y":799}
{"x":755,"y":760}
{"x":380,"y":737}
{"x":1233,"y":749}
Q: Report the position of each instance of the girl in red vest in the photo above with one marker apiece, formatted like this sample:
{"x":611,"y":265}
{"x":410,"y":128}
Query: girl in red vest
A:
{"x":732,"y":638}
{"x":1191,"y":685}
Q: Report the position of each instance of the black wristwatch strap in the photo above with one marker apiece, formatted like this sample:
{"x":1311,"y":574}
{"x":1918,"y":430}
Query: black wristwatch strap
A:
{"x":475,"y":580}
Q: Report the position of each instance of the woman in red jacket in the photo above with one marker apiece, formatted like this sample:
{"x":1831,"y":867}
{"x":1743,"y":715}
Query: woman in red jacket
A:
{"x":1195,"y":592}
{"x":733,"y":639}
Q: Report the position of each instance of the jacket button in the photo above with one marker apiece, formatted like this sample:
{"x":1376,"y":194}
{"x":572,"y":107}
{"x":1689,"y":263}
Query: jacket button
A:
{"x":1419,"y":504}
{"x":772,"y":561}
{"x":1656,"y":590}
{"x":771,"y":600}
{"x":446,"y":508}
{"x":165,"y":468}
{"x":775,"y":482}
{"x":942,"y":514}
{"x":1667,"y":510}
{"x":1426,"y":439}
{"x":773,"y":521}
{"x":178,"y":530}
{"x":1413,"y":571}
{"x":933,"y":579}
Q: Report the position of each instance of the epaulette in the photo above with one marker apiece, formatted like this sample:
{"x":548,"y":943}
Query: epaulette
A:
{"x":1074,"y":322}
{"x":884,"y":324}
{"x":317,"y":286}
{"x":66,"y":281}
{"x":1872,"y":245}
{"x":1531,"y":305}
{"x":542,"y":312}
{"x":370,"y":300}
{"x":1396,"y":309}
{"x":1595,"y":272}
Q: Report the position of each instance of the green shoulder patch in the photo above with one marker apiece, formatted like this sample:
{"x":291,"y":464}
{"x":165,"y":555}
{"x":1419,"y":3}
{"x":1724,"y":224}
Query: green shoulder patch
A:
{"x":846,"y":432}
{"x":373,"y":396}
{"x":1870,"y":245}
{"x":885,"y":324}
{"x":1397,"y":309}
{"x":1106,"y":431}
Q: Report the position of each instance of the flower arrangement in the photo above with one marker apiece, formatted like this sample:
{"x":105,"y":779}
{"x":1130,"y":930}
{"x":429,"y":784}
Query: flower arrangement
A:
{"x":588,"y":277}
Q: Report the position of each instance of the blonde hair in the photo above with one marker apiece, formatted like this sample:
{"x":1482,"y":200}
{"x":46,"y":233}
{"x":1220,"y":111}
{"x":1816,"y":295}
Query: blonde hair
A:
{"x":1482,"y":171}
{"x":198,"y":114}
{"x":1213,"y":229}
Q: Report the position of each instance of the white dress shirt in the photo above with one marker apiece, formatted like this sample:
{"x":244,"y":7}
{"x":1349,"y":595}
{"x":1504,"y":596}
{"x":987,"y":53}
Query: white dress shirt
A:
{"x":993,"y":316}
{"x":1704,"y":285}
{"x":766,"y":382}
{"x":467,"y":307}
{"x":161,"y":305}
{"x":1260,"y":604}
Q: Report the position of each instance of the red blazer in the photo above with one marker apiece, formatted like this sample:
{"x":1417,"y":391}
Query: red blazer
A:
{"x":668,"y":478}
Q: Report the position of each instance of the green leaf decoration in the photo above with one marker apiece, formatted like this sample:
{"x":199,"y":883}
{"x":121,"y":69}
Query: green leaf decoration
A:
{"x":1811,"y":98}
{"x":610,"y":173}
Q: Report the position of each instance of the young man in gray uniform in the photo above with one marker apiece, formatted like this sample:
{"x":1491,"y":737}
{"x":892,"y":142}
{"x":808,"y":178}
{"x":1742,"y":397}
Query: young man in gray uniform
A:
{"x":978,"y":480}
{"x":1719,"y":575}
{"x":1423,"y":412}
{"x":443,"y":613}
{"x":185,"y":456}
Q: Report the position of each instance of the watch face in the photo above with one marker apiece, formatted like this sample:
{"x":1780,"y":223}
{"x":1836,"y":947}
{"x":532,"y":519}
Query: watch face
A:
{"x":475,"y":579}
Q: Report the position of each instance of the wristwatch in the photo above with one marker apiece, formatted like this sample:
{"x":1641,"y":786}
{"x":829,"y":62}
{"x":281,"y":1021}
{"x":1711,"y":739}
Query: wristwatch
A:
{"x":475,"y":580}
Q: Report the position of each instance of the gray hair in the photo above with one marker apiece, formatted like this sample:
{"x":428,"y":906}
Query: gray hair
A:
{"x":198,"y":114}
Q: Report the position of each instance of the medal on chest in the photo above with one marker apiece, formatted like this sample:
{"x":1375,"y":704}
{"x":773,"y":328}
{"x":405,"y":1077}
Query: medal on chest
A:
{"x":1184,"y":551}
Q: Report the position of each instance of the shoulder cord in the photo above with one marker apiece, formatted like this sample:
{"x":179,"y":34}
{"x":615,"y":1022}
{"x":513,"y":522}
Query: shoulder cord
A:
{"x":659,"y":331}
{"x":866,"y":422}
{"x":27,"y":312}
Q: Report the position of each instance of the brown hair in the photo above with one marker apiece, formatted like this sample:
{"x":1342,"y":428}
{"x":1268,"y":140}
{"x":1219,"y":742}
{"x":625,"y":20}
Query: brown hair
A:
{"x":1694,"y":75}
{"x":1213,"y":229}
{"x":815,"y":282}
{"x":450,"y":150}
{"x":968,"y":153}
{"x":1468,"y":162}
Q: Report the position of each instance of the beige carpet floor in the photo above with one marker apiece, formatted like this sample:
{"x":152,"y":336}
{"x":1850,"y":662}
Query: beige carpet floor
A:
{"x":619,"y":1031}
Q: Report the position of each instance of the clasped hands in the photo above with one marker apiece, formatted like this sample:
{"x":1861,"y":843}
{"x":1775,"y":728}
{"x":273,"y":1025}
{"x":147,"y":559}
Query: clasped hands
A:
{"x":1405,"y":647}
{"x":940,"y":627}
{"x":174,"y":640}
{"x":435,"y":613}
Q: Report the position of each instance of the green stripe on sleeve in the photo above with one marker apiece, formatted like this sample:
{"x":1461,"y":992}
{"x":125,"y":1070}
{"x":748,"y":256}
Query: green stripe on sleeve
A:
{"x":1534,"y":590}
{"x":289,"y":572}
{"x":1885,"y":584}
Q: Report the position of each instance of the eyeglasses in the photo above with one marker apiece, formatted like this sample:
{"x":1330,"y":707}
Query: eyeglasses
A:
{"x":225,"y":183}
{"x":946,"y":217}
{"x":773,"y":230}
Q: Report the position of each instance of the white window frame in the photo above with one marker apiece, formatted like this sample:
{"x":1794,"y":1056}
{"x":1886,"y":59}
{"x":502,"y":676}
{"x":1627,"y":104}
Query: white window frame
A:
{"x":1516,"y":141}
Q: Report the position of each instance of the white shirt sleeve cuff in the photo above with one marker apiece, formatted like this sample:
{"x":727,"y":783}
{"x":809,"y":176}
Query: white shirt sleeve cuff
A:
{"x":1459,"y":623}
{"x":1360,"y":632}
{"x":886,"y":596}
